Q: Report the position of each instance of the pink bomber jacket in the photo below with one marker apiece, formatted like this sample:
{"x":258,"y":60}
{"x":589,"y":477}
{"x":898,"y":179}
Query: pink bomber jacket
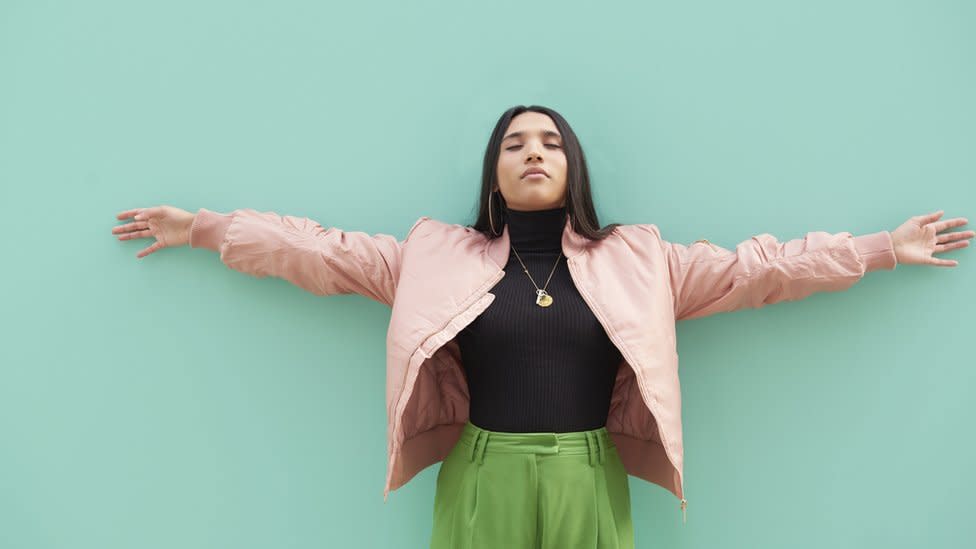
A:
{"x":439,"y":278}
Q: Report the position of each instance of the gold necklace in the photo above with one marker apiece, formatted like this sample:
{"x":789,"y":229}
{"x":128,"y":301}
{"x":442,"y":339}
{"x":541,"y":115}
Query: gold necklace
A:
{"x":542,"y":299}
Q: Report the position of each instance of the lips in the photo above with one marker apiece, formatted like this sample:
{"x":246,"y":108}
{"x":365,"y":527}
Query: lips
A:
{"x":531,"y":171}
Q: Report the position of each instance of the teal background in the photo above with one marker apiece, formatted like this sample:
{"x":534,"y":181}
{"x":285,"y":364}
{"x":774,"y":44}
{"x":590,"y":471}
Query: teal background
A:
{"x":172,"y":402}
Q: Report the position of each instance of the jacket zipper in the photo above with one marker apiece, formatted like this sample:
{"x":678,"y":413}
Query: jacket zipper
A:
{"x":640,"y":382}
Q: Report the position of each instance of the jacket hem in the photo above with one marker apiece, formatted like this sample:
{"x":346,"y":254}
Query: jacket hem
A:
{"x":647,"y":460}
{"x":420,"y":452}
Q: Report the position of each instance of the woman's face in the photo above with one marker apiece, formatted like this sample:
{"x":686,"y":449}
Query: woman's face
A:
{"x":532,"y":142}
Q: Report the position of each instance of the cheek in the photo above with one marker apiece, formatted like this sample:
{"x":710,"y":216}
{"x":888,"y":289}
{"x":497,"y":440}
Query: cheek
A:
{"x":507,"y":169}
{"x":562,"y":164}
{"x":563,"y":169}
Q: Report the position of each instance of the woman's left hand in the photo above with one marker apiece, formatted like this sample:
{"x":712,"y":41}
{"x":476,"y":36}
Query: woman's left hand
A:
{"x":917,"y":239}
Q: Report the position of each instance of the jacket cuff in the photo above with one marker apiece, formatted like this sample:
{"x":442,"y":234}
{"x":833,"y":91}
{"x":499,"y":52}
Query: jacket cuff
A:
{"x":877,"y":250}
{"x":208,"y":229}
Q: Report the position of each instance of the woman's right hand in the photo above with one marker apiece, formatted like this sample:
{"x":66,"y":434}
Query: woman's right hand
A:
{"x":170,"y":226}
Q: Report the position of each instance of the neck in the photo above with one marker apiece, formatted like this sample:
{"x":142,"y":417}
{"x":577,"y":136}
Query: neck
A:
{"x":536,"y":231}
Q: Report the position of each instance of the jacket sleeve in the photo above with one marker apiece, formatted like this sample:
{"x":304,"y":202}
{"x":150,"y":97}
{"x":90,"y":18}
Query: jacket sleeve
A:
{"x":323,"y":261}
{"x":706,"y":279}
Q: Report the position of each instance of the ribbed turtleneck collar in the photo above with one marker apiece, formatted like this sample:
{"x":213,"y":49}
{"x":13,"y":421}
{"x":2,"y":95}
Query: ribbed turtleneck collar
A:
{"x":536,"y":231}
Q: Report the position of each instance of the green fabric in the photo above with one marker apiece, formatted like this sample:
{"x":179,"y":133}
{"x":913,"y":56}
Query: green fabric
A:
{"x":532,"y":490}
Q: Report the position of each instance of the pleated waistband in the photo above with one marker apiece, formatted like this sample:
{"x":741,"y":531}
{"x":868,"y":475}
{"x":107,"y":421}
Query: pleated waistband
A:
{"x":478,"y":442}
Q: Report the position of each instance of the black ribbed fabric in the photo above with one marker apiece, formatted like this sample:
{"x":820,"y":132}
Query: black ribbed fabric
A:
{"x":532,"y":368}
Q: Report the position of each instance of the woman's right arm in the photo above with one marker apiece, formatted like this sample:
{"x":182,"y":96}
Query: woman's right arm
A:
{"x":323,"y":261}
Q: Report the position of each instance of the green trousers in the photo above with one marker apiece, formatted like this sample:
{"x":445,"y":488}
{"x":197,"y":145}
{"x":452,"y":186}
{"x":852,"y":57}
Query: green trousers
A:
{"x":532,"y":490}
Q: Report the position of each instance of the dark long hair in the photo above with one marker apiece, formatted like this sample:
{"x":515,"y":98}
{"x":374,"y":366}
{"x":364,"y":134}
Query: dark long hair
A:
{"x":579,"y":201}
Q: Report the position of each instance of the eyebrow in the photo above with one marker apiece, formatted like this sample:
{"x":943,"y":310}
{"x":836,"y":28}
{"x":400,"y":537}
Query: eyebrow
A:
{"x":545,"y":133}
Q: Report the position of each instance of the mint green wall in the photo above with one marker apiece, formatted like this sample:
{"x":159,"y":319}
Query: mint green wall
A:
{"x":172,"y":402}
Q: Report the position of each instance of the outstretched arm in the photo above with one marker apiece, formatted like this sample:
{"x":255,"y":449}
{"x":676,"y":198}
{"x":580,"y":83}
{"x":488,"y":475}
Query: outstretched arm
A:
{"x":707,"y":279}
{"x":323,"y":261}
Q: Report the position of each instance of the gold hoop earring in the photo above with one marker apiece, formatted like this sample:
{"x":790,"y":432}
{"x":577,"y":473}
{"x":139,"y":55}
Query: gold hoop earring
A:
{"x":490,"y":220}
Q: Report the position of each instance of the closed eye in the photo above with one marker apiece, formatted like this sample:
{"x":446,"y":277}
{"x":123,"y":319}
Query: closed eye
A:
{"x":513,"y":147}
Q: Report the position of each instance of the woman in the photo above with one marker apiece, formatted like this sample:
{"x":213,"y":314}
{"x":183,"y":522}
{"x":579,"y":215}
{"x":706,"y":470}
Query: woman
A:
{"x":528,"y":459}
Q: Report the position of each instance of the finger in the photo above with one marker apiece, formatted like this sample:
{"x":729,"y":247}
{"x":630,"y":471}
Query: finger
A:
{"x":136,"y":234}
{"x":952,"y":246}
{"x":146,"y":213}
{"x":950,"y":223}
{"x":943,"y":262}
{"x":146,"y":251}
{"x":128,"y":213}
{"x":130,"y":227}
{"x":949,"y":237}
{"x":928,"y":218}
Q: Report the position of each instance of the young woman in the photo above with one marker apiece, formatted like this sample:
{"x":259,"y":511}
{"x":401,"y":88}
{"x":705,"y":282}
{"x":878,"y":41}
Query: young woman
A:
{"x":539,"y":378}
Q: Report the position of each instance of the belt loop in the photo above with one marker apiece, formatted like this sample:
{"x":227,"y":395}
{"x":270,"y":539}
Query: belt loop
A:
{"x":589,"y":446}
{"x":603,"y":447}
{"x":484,"y":446}
{"x":474,"y":445}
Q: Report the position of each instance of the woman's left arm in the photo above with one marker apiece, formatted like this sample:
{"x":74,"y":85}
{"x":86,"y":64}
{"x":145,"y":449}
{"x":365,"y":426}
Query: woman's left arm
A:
{"x":707,"y":279}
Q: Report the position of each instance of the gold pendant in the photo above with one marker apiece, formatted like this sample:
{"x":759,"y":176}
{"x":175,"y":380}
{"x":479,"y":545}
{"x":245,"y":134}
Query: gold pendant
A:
{"x":543,"y":299}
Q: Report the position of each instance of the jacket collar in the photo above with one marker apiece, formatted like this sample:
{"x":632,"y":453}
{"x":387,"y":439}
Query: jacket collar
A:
{"x":573,"y":244}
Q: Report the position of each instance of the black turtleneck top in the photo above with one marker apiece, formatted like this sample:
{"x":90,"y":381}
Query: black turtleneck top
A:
{"x":532,"y":368}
